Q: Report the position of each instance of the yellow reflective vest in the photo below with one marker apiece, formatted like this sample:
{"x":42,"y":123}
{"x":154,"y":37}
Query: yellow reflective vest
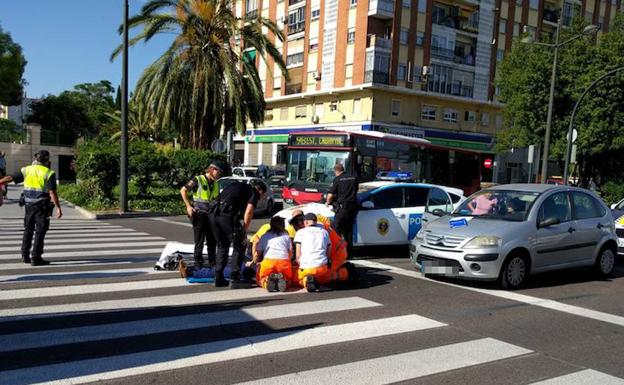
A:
{"x":36,"y":179}
{"x":204,"y":193}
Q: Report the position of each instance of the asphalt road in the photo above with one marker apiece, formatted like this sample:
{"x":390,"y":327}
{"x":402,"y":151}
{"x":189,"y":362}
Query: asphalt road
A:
{"x":101,"y":313}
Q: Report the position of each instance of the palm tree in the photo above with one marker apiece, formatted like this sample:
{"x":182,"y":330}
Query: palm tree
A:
{"x":204,"y":80}
{"x":141,"y":125}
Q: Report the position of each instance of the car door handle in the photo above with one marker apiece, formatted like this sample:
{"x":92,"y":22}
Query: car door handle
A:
{"x":600,"y":225}
{"x":571,"y":230}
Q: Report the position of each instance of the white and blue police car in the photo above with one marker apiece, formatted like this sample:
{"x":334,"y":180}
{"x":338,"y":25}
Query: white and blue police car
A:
{"x":391,"y":209}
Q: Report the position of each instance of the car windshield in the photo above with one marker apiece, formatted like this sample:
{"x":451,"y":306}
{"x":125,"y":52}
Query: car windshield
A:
{"x":498,"y":204}
{"x":314,"y":168}
{"x":366,"y":188}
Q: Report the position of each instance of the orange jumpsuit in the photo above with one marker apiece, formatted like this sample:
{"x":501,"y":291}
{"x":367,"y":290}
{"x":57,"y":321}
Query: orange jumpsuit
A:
{"x":270,"y":266}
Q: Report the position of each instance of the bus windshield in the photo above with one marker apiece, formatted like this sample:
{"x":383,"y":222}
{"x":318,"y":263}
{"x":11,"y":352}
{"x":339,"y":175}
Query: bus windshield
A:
{"x":314,"y":168}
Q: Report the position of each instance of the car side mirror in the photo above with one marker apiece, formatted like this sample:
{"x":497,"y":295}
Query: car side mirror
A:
{"x":439,"y":212}
{"x":613,"y":206}
{"x":551,"y":221}
{"x":368,"y":205}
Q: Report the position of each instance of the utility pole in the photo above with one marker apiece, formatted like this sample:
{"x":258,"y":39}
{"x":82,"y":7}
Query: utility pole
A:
{"x":123,"y":161}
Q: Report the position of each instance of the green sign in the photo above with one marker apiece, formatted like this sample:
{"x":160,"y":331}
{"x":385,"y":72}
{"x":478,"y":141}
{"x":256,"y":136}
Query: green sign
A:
{"x":460,"y":144}
{"x":267,"y":138}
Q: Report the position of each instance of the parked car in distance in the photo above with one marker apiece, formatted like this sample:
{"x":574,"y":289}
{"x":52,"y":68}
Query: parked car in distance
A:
{"x":555,"y":181}
{"x":265,"y":204}
{"x":508,"y":232}
{"x":617,"y":210}
{"x":245,"y":171}
{"x":276,"y":182}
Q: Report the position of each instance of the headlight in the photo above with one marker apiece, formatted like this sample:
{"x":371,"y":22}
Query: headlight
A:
{"x":483,"y":241}
{"x":420,"y":235}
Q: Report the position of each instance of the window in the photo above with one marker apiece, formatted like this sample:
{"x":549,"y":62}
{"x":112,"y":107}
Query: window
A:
{"x":450,"y":115}
{"x":485,"y":119}
{"x":586,"y":207}
{"x":351,"y":36}
{"x":251,"y":6}
{"x":499,"y":121}
{"x":420,"y":38}
{"x":316,"y":14}
{"x":404,"y":35}
{"x":407,"y":3}
{"x":438,"y":200}
{"x":500,"y":54}
{"x":284,"y":113}
{"x":417,"y":74}
{"x":268,"y":115}
{"x":353,"y":3}
{"x":516,"y":29}
{"x":568,"y":13}
{"x":470,"y":116}
{"x":519,"y":3}
{"x":319,"y":109}
{"x":294,"y":59}
{"x":396,"y":107}
{"x":313,"y":43}
{"x":301,"y":112}
{"x":357,"y":106}
{"x":296,"y":20}
{"x":502,"y":26}
{"x":416,"y":196}
{"x":348,"y":71}
{"x":422,"y":6}
{"x":390,"y":198}
{"x":428,"y":113}
{"x":402,"y":71}
{"x":555,"y":206}
{"x":534,"y":4}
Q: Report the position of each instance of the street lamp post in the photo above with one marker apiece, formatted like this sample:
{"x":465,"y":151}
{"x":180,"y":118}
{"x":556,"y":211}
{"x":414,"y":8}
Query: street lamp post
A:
{"x":123,"y":161}
{"x":590,"y":29}
{"x":571,"y":126}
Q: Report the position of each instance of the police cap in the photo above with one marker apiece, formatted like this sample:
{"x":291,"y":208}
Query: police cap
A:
{"x":42,"y":156}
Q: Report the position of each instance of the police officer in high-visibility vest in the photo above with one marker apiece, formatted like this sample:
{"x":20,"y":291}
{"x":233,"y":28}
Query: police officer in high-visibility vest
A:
{"x":39,"y":192}
{"x":205,"y":189}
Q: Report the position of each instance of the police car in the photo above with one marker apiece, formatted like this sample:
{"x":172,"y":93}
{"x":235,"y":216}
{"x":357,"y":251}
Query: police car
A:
{"x":391,"y":212}
{"x":617,"y":210}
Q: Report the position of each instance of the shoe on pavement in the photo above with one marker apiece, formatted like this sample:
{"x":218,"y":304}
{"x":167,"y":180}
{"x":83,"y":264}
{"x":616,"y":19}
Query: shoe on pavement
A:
{"x":352,"y":272}
{"x":271,"y":284}
{"x":26,"y":260}
{"x":310,"y":284}
{"x":282,"y":285}
{"x":39,"y":262}
{"x":238,"y":284}
{"x":220,"y":282}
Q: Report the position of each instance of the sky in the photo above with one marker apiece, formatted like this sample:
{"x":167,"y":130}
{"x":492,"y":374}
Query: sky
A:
{"x":68,"y":42}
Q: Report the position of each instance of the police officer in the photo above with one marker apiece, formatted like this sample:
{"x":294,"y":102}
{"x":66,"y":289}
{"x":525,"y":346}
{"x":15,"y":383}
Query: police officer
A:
{"x":39,"y":190}
{"x":205,"y":191}
{"x":236,"y":202}
{"x":343,"y":196}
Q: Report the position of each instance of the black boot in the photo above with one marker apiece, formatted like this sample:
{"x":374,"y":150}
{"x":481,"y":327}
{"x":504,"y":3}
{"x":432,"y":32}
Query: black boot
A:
{"x":26,"y":259}
{"x":39,"y":262}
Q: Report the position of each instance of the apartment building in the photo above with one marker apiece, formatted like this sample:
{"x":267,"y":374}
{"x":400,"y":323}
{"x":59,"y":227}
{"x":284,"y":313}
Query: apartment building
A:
{"x":422,"y":68}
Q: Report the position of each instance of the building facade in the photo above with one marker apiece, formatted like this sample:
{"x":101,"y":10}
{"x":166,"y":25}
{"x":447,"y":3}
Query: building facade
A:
{"x":422,"y":68}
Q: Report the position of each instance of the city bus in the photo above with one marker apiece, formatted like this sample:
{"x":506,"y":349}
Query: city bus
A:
{"x":311,"y":157}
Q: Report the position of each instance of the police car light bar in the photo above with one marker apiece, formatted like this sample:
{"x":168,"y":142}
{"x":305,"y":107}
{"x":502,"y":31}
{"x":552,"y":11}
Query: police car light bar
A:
{"x":396,"y":176}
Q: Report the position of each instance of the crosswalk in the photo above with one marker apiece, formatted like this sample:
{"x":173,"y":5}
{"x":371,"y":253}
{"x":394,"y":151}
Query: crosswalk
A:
{"x":101,"y":312}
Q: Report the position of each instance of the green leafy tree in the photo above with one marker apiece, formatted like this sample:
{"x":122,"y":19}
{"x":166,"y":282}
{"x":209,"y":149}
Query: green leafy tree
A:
{"x":12,"y":65}
{"x":524,"y":81}
{"x":203,"y":80}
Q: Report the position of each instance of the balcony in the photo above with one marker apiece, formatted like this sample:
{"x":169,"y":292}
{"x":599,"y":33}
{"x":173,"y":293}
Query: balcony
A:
{"x":293,"y":2}
{"x":383,"y":9}
{"x":378,"y":77}
{"x":293,"y":89}
{"x":296,"y":27}
{"x":551,"y":15}
{"x":456,"y":56}
{"x":378,"y":42}
{"x":456,"y":18}
{"x":294,"y":60}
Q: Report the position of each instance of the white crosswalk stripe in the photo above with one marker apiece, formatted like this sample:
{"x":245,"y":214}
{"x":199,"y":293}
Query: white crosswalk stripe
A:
{"x":101,"y":299}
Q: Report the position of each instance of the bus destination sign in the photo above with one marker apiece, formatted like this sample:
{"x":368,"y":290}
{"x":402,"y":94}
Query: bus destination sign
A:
{"x":319,"y":140}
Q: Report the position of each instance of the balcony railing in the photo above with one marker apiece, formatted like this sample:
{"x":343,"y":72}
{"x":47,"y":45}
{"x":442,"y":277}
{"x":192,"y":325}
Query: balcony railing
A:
{"x":296,"y":27}
{"x":452,"y":55}
{"x":293,"y":89}
{"x":379,"y":77}
{"x":381,"y":8}
{"x":293,"y":2}
{"x":375,"y":41}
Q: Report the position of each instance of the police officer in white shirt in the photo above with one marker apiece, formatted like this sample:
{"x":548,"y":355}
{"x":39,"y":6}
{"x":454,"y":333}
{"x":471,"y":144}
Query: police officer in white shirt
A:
{"x":312,"y":247}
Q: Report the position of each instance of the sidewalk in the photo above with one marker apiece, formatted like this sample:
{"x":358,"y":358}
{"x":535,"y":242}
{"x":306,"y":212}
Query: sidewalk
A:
{"x":11,"y":210}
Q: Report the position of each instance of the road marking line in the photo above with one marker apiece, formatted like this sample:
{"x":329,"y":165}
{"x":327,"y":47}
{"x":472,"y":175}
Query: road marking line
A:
{"x":201,"y":354}
{"x":79,"y":240}
{"x":90,"y":289}
{"x":73,"y":236}
{"x":12,"y":342}
{"x":584,"y":377}
{"x":80,"y":230}
{"x":87,"y":253}
{"x":72,"y":275}
{"x":185,"y":224}
{"x":67,"y":228}
{"x":59,"y":265}
{"x":137,"y":303}
{"x":404,"y":366}
{"x":85,"y":246}
{"x":57,"y":221}
{"x":535,"y":301}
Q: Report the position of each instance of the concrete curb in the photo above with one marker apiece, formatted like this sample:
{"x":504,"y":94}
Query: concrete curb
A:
{"x":108,"y":215}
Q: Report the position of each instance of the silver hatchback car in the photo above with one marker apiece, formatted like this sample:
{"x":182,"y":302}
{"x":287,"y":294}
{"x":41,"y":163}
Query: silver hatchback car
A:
{"x":510,"y":231}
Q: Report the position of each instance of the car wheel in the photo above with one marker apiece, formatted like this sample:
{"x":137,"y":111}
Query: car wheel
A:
{"x":514,"y":272}
{"x":605,"y":263}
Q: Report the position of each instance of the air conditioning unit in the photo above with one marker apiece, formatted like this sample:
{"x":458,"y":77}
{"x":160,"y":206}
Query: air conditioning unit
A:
{"x":315,"y":119}
{"x":316,"y":75}
{"x":427,"y":71}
